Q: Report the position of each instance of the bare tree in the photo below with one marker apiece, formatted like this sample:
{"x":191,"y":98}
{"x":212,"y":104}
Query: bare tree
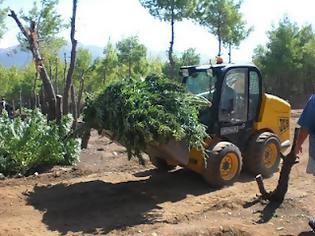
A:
{"x":32,"y":38}
{"x":72,"y":61}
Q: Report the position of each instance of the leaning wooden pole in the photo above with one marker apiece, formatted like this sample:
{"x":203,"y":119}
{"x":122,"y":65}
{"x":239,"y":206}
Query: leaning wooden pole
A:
{"x":59,"y":111}
{"x":282,"y":187}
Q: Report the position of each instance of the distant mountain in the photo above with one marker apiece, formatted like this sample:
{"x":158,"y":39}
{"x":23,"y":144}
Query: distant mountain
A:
{"x":15,"y":56}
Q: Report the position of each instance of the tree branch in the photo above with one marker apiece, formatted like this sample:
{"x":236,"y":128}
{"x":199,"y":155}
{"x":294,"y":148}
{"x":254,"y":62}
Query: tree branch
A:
{"x":18,"y":22}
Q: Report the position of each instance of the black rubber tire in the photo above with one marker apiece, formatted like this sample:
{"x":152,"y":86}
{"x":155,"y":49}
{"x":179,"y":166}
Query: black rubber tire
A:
{"x":254,"y":158}
{"x":216,"y":154}
{"x":161,"y":164}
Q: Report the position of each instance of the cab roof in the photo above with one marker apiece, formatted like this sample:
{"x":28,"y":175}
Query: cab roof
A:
{"x":223,"y":66}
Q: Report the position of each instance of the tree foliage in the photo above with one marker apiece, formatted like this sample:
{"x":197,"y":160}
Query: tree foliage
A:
{"x":190,"y":57}
{"x":223,"y":19}
{"x":109,"y":62}
{"x":83,"y":65}
{"x":83,"y":60}
{"x":165,"y":10}
{"x":170,"y":11}
{"x":48,"y":24}
{"x":15,"y":81}
{"x":3,"y":15}
{"x":237,"y":26}
{"x":287,"y":60}
{"x":131,"y":56}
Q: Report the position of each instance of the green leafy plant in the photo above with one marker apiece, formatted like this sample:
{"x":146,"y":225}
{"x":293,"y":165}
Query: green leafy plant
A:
{"x":150,"y":112}
{"x":31,"y":143}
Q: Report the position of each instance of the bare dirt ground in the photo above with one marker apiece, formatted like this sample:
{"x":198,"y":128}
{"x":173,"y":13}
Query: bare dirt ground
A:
{"x":107,"y":194}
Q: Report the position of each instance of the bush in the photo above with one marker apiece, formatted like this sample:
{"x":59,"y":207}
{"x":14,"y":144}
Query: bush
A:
{"x":154,"y":111}
{"x":32,"y":143}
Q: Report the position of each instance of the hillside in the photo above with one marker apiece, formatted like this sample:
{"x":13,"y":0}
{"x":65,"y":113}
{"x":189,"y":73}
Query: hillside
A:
{"x":15,"y":56}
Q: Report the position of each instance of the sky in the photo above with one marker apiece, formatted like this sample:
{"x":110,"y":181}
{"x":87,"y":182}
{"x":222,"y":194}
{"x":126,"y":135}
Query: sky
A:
{"x":101,"y":20}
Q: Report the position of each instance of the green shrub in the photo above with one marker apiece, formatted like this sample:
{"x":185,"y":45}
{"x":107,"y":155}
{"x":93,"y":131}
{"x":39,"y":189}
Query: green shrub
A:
{"x":31,"y":143}
{"x":153,"y":111}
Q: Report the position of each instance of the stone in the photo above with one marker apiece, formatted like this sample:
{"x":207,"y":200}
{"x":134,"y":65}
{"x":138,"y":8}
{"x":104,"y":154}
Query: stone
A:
{"x":2,"y":177}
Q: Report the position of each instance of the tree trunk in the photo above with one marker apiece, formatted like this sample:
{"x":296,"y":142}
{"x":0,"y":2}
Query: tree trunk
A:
{"x":72,"y":60}
{"x":65,"y":69}
{"x":170,"y":52}
{"x":56,"y":75}
{"x":50,"y":68}
{"x":34,"y":88}
{"x":31,"y":36}
{"x":220,"y":44}
{"x":80,"y":93}
{"x":84,"y":132}
{"x":51,"y":97}
{"x":74,"y":107}
{"x":37,"y":101}
{"x":43,"y":103}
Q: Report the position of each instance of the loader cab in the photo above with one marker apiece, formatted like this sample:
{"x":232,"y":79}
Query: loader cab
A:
{"x":235,"y":93}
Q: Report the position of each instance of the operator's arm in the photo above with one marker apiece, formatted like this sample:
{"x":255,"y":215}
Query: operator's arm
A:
{"x":303,"y":133}
{"x":306,"y":122}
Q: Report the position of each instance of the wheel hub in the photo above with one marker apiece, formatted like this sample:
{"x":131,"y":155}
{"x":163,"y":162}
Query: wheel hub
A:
{"x":270,"y":155}
{"x":229,"y":166}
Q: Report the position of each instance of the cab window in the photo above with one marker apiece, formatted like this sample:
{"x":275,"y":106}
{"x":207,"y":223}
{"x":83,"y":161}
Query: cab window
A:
{"x":233,"y":101}
{"x":201,"y":83}
{"x":254,"y":94}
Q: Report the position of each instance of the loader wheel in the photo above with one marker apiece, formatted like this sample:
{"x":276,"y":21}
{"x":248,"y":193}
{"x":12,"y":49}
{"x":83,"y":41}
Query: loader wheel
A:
{"x":224,"y":164}
{"x":161,"y":164}
{"x":263,"y":155}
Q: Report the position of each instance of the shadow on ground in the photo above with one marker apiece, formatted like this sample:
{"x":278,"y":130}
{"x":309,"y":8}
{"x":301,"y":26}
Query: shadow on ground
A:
{"x":99,"y":206}
{"x":268,"y":211}
{"x":308,"y":233}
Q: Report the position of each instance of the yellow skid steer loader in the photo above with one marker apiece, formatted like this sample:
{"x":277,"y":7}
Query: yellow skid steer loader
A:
{"x":247,"y":127}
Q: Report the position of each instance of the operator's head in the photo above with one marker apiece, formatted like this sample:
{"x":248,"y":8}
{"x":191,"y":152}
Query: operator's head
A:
{"x":219,"y":59}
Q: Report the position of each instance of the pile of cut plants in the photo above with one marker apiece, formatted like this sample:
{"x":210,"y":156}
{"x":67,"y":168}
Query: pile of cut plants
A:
{"x":138,"y":113}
